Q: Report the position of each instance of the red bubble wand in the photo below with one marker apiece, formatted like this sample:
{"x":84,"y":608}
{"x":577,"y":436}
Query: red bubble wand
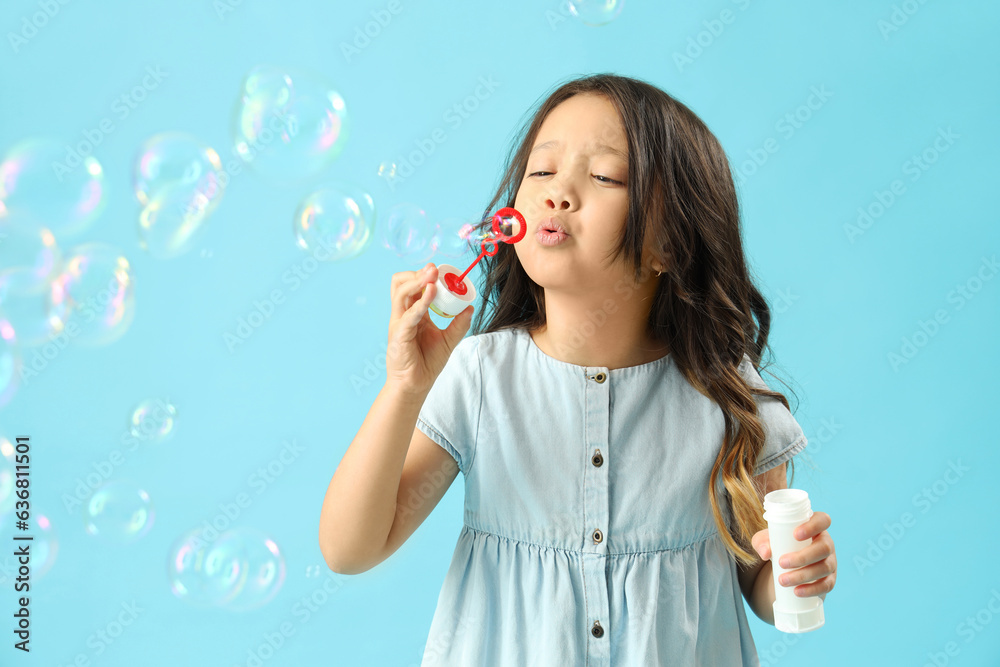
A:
{"x":455,"y":292}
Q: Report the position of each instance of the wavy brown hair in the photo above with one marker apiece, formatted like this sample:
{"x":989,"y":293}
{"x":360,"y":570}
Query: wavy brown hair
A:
{"x":682,"y":194}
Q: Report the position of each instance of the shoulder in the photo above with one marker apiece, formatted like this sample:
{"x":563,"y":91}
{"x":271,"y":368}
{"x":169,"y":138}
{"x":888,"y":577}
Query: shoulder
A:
{"x":493,"y":343}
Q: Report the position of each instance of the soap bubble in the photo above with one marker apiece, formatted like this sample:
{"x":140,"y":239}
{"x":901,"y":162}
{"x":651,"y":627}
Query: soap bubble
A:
{"x":96,"y":291}
{"x":29,"y":313}
{"x":170,"y":224}
{"x":119,"y":511}
{"x":153,"y":420}
{"x":241,"y":570}
{"x":338,"y":219}
{"x":10,"y":363}
{"x":199,"y":574}
{"x":387,"y":170}
{"x":50,"y":185}
{"x":262,"y":565}
{"x":29,"y":255}
{"x":177,"y":159}
{"x":456,"y":239}
{"x":410,"y":234}
{"x":289,"y":126}
{"x":596,"y":12}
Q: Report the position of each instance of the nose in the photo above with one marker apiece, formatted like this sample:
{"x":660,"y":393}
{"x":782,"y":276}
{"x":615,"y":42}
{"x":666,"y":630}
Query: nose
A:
{"x":559,"y":197}
{"x":562,"y":206}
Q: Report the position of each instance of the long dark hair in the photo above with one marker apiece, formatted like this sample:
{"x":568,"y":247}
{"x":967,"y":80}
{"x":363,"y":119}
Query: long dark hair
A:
{"x":682,"y":194}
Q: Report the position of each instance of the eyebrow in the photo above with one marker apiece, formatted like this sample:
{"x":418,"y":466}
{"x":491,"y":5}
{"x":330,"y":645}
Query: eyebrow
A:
{"x":599,"y":149}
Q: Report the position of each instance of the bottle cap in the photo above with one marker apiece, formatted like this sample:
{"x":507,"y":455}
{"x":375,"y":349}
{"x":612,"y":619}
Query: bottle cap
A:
{"x":447,"y":302}
{"x":799,"y":621}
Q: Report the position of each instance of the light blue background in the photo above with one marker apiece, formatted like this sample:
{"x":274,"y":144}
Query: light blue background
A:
{"x":878,"y":435}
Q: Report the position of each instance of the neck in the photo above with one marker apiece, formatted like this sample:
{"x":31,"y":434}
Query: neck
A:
{"x":599,"y":330}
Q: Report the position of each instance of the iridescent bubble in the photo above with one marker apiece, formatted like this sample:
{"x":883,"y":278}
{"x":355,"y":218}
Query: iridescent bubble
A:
{"x":289,"y":125}
{"x":170,"y":224}
{"x":387,"y":170}
{"x":44,"y":544}
{"x":153,"y":420}
{"x":202,"y":575}
{"x":52,"y":185}
{"x":453,"y":239}
{"x":96,"y":291}
{"x":335,"y":223}
{"x":10,"y":362}
{"x":28,"y":313}
{"x":178,"y":159}
{"x":118,"y":511}
{"x":29,"y":255}
{"x":409,"y":233}
{"x":261,"y":562}
{"x":596,"y":12}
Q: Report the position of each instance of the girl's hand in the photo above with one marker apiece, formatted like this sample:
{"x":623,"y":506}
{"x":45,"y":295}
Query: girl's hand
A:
{"x":418,"y":350}
{"x":816,"y":563}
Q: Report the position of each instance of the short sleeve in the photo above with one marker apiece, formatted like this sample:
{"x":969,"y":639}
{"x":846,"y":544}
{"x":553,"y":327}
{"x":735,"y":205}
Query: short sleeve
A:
{"x":784,"y":437}
{"x":450,"y":413}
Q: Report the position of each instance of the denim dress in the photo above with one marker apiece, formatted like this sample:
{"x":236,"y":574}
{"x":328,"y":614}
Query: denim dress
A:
{"x":588,"y":535}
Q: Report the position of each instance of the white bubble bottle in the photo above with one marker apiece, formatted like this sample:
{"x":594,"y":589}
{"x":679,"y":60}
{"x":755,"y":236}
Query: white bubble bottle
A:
{"x":785,"y":510}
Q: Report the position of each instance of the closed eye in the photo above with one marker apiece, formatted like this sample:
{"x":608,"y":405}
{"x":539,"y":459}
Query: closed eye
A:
{"x":606,"y":179}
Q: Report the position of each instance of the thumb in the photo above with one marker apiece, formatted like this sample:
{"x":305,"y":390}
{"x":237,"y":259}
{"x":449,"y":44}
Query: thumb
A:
{"x":459,"y":326}
{"x":762,"y":544}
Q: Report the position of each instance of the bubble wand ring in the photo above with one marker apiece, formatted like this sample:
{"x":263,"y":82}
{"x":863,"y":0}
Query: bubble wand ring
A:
{"x":455,"y":291}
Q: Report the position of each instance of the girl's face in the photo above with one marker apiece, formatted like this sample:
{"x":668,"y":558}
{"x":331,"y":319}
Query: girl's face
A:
{"x":577,"y":174}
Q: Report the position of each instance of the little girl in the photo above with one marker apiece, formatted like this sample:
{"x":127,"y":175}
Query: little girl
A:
{"x":608,"y":415}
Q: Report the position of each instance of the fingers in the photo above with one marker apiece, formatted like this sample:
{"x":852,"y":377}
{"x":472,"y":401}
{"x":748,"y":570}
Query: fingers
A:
{"x":816,"y":524}
{"x":406,"y":288}
{"x":818,"y":550}
{"x":822,"y":573}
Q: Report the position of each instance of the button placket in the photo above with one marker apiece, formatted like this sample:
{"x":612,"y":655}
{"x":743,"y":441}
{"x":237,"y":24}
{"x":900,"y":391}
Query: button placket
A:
{"x":597,"y":406}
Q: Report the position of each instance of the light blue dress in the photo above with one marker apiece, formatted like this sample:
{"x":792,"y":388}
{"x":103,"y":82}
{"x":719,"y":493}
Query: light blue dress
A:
{"x":588,"y":536}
